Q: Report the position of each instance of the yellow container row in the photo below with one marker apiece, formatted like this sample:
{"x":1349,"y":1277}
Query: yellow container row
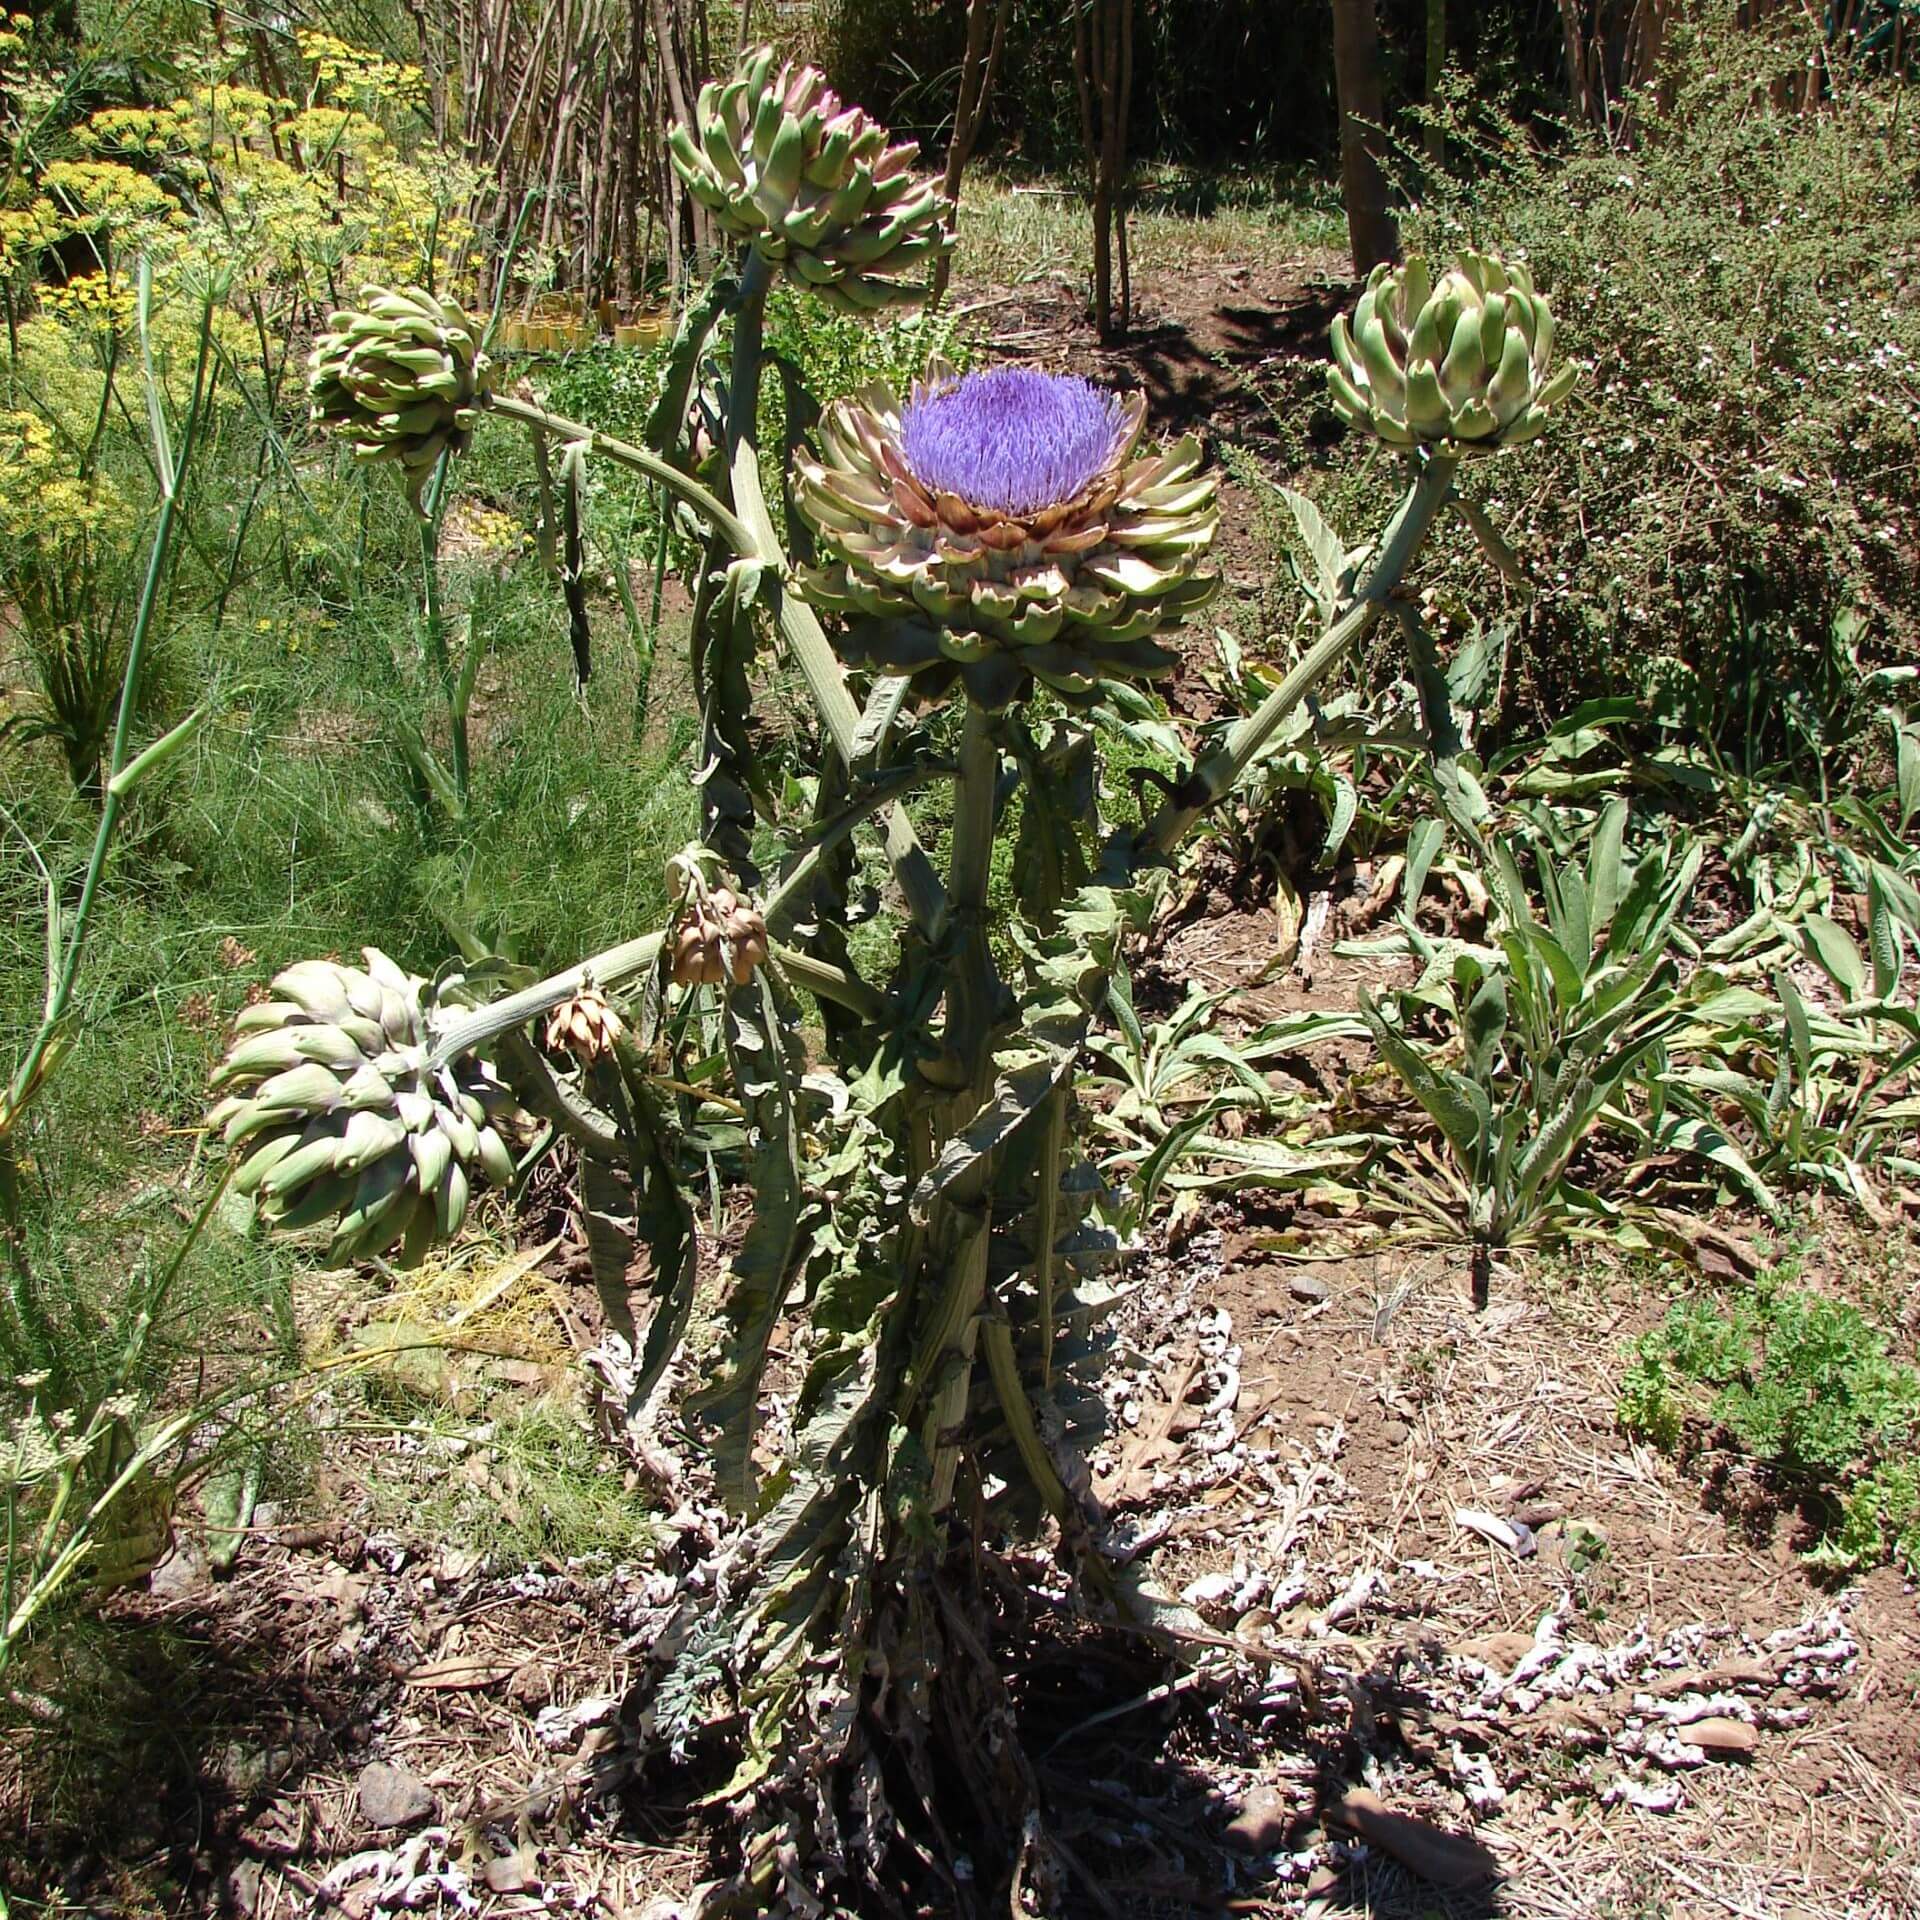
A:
{"x":564,"y":332}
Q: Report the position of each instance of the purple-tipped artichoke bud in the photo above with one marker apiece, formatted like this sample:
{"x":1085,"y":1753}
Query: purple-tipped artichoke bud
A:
{"x":403,"y":378}
{"x":1002,"y":527}
{"x":811,"y":185}
{"x":336,"y":1116}
{"x":1461,"y":363}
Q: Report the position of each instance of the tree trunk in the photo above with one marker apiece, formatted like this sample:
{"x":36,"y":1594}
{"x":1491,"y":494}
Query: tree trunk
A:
{"x":1436,"y":73}
{"x":1356,"y":67}
{"x":1103,"y":78}
{"x":977,"y":68}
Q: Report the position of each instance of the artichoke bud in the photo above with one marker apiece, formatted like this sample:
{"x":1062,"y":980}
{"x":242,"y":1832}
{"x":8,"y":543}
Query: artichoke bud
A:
{"x":340,"y":1120}
{"x":404,"y":379}
{"x":783,"y":166}
{"x":586,"y":1025}
{"x":1004,"y":530}
{"x":720,"y":937}
{"x":1461,"y":363}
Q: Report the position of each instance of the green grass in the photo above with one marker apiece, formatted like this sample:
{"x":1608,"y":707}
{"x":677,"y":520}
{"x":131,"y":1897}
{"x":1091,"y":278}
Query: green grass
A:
{"x":531,"y":1482}
{"x":1015,"y":231}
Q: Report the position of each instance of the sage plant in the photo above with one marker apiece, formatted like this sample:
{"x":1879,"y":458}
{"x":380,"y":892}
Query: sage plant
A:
{"x":921,"y":1204}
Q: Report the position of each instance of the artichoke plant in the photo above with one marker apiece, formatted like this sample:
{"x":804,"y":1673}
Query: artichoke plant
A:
{"x":1461,"y":362}
{"x":337,"y":1115}
{"x":813,"y":186}
{"x":1006,"y":517}
{"x":910,"y":1147}
{"x":404,"y":378}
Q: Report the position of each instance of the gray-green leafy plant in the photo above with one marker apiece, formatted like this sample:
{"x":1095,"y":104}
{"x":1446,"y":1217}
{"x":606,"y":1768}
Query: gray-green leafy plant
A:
{"x":1570,"y":1009}
{"x":901,"y":1117}
{"x":1175,"y":1080}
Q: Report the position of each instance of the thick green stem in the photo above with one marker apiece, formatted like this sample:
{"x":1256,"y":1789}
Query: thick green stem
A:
{"x":973,"y":992}
{"x":625,"y":962}
{"x":1215,"y":776}
{"x":1494,"y":544}
{"x":812,"y":652}
{"x":624,"y":453}
{"x":825,"y":981}
{"x":438,"y":656}
{"x":748,"y":529}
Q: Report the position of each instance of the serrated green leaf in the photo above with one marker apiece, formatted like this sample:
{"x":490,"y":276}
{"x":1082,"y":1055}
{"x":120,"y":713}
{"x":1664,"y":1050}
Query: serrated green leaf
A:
{"x":1883,"y":937}
{"x":1329,"y":555}
{"x":1606,"y":868}
{"x":1455,"y":1105}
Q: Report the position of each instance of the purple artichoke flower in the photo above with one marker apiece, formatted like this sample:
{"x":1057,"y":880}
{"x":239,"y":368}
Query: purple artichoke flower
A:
{"x":1000,"y":526}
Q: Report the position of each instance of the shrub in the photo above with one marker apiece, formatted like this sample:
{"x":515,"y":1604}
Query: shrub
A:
{"x":1738,"y":471}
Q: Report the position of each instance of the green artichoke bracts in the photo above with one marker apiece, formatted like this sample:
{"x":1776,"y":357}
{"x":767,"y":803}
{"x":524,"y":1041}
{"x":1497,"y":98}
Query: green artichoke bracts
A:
{"x":816,"y":188}
{"x":999,"y":527}
{"x":404,"y":378}
{"x":336,"y":1115}
{"x":1460,"y":363}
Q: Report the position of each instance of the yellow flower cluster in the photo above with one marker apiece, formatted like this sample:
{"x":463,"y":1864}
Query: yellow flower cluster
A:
{"x":42,"y":498}
{"x":494,"y":532}
{"x":104,"y":192}
{"x":275,"y":202}
{"x":351,"y":73}
{"x":94,"y":301}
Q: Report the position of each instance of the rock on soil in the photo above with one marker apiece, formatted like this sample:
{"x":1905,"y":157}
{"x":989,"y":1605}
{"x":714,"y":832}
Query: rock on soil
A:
{"x":392,"y":1797}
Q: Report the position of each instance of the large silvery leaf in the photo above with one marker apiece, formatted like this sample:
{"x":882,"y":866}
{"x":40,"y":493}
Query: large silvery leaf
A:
{"x":1454,"y":1105}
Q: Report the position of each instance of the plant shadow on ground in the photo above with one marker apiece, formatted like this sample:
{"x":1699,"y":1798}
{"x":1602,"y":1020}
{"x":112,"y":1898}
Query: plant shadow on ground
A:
{"x":218,"y":1717}
{"x":1136,"y":1797}
{"x":1125,"y":1753}
{"x":1193,"y":358}
{"x":247,"y":1726}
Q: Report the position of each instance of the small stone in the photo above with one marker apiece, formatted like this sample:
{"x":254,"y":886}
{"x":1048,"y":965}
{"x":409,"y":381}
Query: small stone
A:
{"x":1262,"y":1824}
{"x":1395,"y":1433}
{"x":1720,"y":1737}
{"x":530,"y":1685}
{"x":392,"y":1797}
{"x":182,"y":1574}
{"x":510,"y":1873}
{"x":1308,"y":1289}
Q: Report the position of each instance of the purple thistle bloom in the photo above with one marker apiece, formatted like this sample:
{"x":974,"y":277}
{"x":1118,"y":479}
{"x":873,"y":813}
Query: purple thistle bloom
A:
{"x":1011,"y":440}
